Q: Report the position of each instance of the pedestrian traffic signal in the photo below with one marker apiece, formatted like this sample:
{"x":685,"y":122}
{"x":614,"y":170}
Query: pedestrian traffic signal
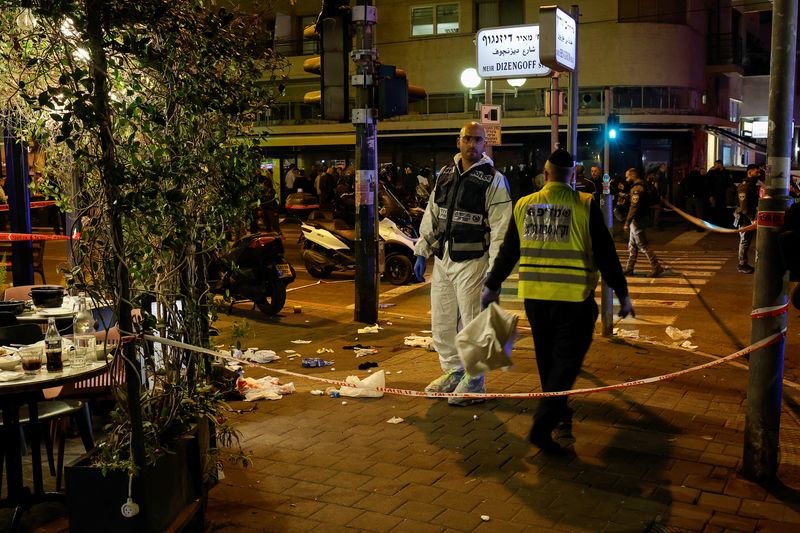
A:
{"x":612,"y":126}
{"x":394,"y":91}
{"x":333,"y":63}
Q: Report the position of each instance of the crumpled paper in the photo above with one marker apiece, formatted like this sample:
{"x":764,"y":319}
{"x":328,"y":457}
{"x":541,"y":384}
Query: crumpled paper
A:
{"x":626,"y":333}
{"x":370,"y":329}
{"x":420,"y":341}
{"x":678,"y":334}
{"x":260,"y":356}
{"x":266,"y":388}
{"x":688,"y":345}
{"x":364,"y":388}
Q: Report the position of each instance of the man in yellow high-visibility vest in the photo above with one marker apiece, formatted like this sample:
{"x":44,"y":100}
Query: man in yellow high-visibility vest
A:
{"x":561,"y":241}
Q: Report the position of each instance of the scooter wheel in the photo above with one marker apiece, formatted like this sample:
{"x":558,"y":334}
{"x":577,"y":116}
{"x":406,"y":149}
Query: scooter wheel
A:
{"x":272,"y":304}
{"x":398,"y":269}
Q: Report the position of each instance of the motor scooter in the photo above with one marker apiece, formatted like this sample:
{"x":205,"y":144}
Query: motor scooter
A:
{"x":253,"y":269}
{"x":328,"y":244}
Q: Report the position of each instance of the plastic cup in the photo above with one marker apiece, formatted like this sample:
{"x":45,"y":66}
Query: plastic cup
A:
{"x":84,"y":350}
{"x":31,"y":357}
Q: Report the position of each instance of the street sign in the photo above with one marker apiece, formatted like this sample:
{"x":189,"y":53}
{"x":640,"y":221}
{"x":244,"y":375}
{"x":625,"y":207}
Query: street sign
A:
{"x":490,"y":114}
{"x":493,"y":136}
{"x":558,"y":35}
{"x":509,"y":52}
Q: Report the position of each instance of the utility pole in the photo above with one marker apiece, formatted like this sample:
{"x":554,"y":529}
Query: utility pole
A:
{"x":572,"y":137}
{"x":487,"y":99}
{"x":606,"y":294}
{"x":364,"y":117}
{"x":764,"y":387}
{"x":555,"y":110}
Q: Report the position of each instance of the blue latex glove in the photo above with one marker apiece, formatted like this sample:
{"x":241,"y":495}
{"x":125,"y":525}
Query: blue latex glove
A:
{"x":419,"y":268}
{"x":488,"y":296}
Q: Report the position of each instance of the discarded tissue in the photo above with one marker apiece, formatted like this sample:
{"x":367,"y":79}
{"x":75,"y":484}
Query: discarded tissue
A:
{"x":418,"y":340}
{"x":679,"y":334}
{"x":260,"y":356}
{"x":370,"y":329}
{"x":364,"y":388}
{"x":266,"y":388}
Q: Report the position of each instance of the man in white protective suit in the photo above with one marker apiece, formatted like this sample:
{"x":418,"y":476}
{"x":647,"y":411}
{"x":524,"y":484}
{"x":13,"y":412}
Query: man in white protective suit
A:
{"x":464,"y":224}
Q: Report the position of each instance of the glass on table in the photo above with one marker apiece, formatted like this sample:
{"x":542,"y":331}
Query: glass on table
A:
{"x":31,"y":357}
{"x":84,"y":350}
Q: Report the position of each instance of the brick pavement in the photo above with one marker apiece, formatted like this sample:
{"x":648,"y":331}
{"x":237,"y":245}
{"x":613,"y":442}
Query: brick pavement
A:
{"x":660,"y":457}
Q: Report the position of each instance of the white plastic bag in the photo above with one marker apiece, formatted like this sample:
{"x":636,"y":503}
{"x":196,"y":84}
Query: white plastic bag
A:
{"x":364,"y":388}
{"x":486,"y":342}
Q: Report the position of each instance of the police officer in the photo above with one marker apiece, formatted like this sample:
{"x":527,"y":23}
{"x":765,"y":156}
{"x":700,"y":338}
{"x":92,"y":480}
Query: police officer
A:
{"x":635,"y":222}
{"x":747,"y":192}
{"x":463,"y":226}
{"x":559,"y":237}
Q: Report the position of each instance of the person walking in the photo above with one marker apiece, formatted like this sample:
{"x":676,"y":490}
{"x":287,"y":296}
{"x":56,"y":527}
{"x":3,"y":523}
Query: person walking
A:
{"x":635,"y":222}
{"x":694,"y":192}
{"x":464,"y":223}
{"x":745,"y":215}
{"x":561,"y":241}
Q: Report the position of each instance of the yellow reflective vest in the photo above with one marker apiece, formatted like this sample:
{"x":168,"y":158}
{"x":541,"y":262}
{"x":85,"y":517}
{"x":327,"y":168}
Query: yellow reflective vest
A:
{"x":556,"y":260}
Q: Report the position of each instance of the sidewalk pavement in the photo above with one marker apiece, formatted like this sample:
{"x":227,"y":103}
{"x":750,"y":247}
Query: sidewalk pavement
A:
{"x":660,"y":457}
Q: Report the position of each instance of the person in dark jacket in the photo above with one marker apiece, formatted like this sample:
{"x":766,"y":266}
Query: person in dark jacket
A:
{"x":745,"y":215}
{"x":562,"y":243}
{"x":635,"y":222}
{"x":695,"y":194}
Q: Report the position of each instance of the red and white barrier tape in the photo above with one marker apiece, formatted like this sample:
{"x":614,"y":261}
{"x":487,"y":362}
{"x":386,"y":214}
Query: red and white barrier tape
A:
{"x":34,"y":205}
{"x":775,"y":310}
{"x":11,"y":237}
{"x":763,"y":343}
{"x":708,"y":225}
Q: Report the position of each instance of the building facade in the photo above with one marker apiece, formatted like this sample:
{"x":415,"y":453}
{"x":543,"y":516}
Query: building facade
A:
{"x":672,"y":70}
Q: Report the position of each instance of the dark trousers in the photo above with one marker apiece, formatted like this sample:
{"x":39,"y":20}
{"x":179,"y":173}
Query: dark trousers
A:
{"x":562,"y":334}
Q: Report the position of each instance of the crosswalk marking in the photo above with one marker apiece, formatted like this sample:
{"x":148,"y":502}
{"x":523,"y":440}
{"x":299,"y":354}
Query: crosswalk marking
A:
{"x":687,"y":273}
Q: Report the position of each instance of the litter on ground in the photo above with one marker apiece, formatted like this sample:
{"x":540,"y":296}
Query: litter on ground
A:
{"x":420,"y":341}
{"x":370,"y":329}
{"x":260,"y":356}
{"x":679,"y":334}
{"x":364,"y":388}
{"x":395,"y":420}
{"x":361,"y":352}
{"x":317,"y":392}
{"x":266,"y":388}
{"x":300,"y":341}
{"x":626,"y":333}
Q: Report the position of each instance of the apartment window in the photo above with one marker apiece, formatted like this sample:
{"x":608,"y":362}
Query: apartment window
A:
{"x":493,"y":13}
{"x":662,"y":11}
{"x":310,"y":46}
{"x":434,"y":19}
{"x":734,"y":110}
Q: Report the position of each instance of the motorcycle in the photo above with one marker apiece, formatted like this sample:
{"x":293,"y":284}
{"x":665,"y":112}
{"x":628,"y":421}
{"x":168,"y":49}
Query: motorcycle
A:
{"x":254,"y":269}
{"x":328,"y":244}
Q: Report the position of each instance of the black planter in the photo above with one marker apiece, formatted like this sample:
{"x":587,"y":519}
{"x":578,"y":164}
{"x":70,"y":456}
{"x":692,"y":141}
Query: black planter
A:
{"x":171,"y":493}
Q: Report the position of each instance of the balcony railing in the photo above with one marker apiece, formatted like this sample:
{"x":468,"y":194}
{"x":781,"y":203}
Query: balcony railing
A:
{"x":526,"y":103}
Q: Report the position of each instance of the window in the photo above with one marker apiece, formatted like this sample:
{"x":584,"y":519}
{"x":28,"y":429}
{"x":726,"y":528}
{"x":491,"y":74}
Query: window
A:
{"x":662,"y":11}
{"x":494,"y":13}
{"x":434,"y":20}
{"x":310,"y":46}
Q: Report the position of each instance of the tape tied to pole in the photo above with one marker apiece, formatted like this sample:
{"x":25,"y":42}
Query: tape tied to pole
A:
{"x":763,"y":343}
{"x":774,"y":310}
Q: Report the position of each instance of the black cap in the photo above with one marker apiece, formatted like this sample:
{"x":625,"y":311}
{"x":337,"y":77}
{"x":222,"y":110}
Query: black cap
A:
{"x":752,"y":166}
{"x":561,"y":158}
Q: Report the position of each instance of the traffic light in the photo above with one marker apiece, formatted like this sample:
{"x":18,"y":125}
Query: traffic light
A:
{"x":394,"y":91}
{"x":333,"y":63}
{"x":612,"y":127}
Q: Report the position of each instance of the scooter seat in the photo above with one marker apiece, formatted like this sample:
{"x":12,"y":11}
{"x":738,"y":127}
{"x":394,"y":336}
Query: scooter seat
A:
{"x":338,"y":227}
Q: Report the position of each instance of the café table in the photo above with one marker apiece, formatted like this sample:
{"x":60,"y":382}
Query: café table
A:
{"x":13,"y":395}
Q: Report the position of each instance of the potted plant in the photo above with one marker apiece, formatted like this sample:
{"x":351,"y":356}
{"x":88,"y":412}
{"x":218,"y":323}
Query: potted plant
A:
{"x":145,"y":110}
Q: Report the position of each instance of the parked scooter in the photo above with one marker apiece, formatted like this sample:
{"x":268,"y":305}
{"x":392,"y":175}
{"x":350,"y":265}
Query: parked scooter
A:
{"x":329,"y":244}
{"x":254,"y":269}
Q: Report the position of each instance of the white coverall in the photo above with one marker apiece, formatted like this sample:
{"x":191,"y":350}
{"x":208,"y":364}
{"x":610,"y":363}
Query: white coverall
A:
{"x":456,"y":286}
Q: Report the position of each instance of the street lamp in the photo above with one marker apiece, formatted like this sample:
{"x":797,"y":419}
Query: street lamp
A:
{"x":516,"y":82}
{"x":470,"y":78}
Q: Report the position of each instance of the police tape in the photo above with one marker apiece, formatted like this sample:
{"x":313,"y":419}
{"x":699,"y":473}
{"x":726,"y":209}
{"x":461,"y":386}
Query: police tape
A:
{"x":774,"y":310}
{"x":708,"y":225}
{"x":763,"y":343}
{"x":13,"y":237}
{"x":33,"y":205}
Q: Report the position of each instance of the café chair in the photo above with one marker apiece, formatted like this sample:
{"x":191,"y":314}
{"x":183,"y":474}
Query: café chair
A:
{"x":20,"y":292}
{"x":8,"y":319}
{"x":20,"y":334}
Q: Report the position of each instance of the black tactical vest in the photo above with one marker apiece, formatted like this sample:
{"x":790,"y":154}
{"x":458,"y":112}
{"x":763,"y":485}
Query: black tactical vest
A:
{"x":463,"y":220}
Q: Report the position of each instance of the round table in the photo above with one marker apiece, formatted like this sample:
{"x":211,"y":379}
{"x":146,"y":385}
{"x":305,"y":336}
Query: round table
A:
{"x":14,"y":394}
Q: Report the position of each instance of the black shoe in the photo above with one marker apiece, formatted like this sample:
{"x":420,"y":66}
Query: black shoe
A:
{"x":563,"y":434}
{"x":657,"y":271}
{"x":744,"y":268}
{"x":543,"y":438}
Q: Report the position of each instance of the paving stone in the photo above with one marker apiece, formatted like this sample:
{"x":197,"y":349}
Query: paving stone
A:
{"x":420,"y":476}
{"x":380,"y":503}
{"x":731,"y":522}
{"x":413,"y":526}
{"x":458,"y":520}
{"x":704,"y":483}
{"x":743,"y":488}
{"x":343,"y":496}
{"x":719,"y":502}
{"x":369,"y":521}
{"x":760,"y":509}
{"x":421,"y":511}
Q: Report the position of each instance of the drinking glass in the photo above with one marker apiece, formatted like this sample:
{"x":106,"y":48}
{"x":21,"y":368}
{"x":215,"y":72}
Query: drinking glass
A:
{"x":31,"y":357}
{"x":84,"y":350}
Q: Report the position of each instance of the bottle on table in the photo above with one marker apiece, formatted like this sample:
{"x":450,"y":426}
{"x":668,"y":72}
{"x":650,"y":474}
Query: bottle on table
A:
{"x":53,"y":347}
{"x":83,"y":333}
